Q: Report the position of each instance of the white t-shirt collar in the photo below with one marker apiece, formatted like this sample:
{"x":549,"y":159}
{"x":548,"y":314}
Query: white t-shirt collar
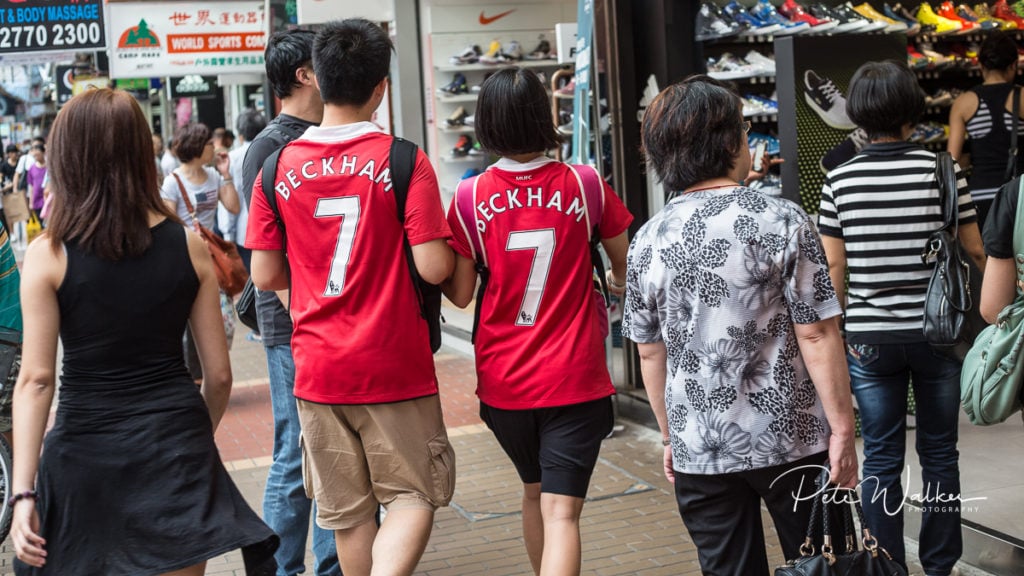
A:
{"x":333,"y":134}
{"x":509,"y":165}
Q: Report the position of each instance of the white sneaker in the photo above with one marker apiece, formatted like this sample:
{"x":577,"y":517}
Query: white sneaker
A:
{"x":824,"y":97}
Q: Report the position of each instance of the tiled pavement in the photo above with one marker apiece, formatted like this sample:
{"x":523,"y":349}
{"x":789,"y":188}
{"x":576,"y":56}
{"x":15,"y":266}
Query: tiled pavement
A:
{"x":630,"y":524}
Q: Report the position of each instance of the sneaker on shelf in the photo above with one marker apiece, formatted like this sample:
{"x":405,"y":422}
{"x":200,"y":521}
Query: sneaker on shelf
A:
{"x":1018,"y":7}
{"x":967,"y":54}
{"x":771,"y":142}
{"x":513,"y":51}
{"x":476,"y":149}
{"x":1001,"y":9}
{"x":946,"y":10}
{"x":493,"y":53}
{"x":916,"y":60}
{"x":469,"y":55}
{"x":982,"y":10}
{"x":456,"y":86}
{"x":845,"y":22}
{"x":985,"y":23}
{"x":768,"y":105}
{"x":939,"y":61}
{"x":463,"y":146}
{"x":541,"y":52}
{"x":469,"y":120}
{"x":913,"y":26}
{"x":823,"y":96}
{"x":711,"y":26}
{"x":942,"y":98}
{"x":796,"y":13}
{"x":765,"y":12}
{"x":911,"y":18}
{"x":752,"y":25}
{"x":927,"y":17}
{"x":751,"y":107}
{"x":730,"y":67}
{"x":764,"y":64}
{"x":935,"y":132}
{"x":568,"y":90}
{"x":868,"y":11}
{"x":845,"y":12}
{"x":565,"y":129}
{"x":457,"y":118}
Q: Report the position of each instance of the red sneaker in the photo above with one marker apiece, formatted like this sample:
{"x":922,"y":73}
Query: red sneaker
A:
{"x":1002,"y":11}
{"x":796,"y":13}
{"x":947,"y":11}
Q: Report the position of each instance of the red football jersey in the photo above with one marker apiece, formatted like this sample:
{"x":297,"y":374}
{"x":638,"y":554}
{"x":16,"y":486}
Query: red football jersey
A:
{"x":538,"y":343}
{"x":359,"y":336}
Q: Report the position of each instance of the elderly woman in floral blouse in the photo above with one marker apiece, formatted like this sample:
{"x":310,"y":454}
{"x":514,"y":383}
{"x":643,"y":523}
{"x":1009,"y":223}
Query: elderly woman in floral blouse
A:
{"x":730,"y":303}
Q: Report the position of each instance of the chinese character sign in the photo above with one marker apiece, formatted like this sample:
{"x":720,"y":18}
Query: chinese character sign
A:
{"x":50,"y":25}
{"x":186,"y":38}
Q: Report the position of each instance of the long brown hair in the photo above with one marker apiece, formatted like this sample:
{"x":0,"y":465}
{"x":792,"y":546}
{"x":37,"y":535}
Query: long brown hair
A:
{"x":103,"y":175}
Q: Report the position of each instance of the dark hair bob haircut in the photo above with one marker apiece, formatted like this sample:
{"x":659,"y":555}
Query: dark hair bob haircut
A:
{"x":103,"y":192}
{"x":350,"y":58}
{"x":513,"y":114}
{"x":692,"y":132}
{"x":191,"y":141}
{"x":883,"y":98}
{"x":998,"y":51}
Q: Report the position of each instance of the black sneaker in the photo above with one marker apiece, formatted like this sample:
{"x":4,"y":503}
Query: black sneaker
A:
{"x":824,"y":97}
{"x":848,"y":21}
{"x":541,"y":52}
{"x":458,"y":117}
{"x":463,"y":147}
{"x":458,"y":85}
{"x":712,"y":26}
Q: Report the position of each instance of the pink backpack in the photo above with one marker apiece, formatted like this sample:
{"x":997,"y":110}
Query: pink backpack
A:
{"x":593,"y":199}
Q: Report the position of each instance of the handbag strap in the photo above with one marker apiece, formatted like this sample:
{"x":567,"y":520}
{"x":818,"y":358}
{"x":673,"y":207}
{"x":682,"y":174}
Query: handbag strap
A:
{"x":188,"y":203}
{"x":1011,"y":163}
{"x":945,"y":175}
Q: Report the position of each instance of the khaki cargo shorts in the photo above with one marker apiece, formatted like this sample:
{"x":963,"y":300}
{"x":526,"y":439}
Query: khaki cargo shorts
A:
{"x":357,"y":456}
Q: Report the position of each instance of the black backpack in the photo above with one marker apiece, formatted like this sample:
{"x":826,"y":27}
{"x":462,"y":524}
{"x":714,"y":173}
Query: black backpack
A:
{"x":402,"y":162}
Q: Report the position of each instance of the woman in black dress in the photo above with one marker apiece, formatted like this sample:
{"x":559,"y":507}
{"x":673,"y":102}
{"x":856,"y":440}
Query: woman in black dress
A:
{"x":130,"y":481}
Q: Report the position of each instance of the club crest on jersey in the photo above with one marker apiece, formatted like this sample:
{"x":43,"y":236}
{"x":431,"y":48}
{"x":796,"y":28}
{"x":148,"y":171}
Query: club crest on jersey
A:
{"x":332,"y":166}
{"x":513,"y":198}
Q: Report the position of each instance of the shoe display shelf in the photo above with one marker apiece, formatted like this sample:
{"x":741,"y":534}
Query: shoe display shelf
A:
{"x":562,"y":99}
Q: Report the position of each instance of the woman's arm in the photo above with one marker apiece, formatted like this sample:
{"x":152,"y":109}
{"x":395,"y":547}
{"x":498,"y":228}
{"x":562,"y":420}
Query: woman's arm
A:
{"x":616,"y":249}
{"x":958,"y":115}
{"x":970,"y":237}
{"x":654,"y":369}
{"x":459,"y":288}
{"x":835,"y":252}
{"x":42,"y":273}
{"x":998,"y":287}
{"x":208,"y":332}
{"x":227,"y":193}
{"x":822,"y":349}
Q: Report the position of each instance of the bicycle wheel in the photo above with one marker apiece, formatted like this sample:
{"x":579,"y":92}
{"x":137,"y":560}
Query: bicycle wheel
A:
{"x":6,"y":469}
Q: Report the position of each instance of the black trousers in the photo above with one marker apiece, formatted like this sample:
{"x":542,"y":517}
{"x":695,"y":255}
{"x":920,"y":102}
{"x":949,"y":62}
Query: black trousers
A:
{"x":722,"y":513}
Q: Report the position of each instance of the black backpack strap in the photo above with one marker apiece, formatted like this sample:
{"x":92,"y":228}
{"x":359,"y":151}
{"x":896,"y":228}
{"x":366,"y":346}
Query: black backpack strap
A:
{"x":269,"y":176}
{"x":401,"y":164}
{"x":1011,"y":165}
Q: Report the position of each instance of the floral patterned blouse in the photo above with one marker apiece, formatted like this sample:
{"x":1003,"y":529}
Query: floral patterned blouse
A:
{"x":721,"y":276}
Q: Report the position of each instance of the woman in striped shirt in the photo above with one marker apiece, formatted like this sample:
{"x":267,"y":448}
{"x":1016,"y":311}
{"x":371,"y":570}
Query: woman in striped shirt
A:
{"x":877,"y":212}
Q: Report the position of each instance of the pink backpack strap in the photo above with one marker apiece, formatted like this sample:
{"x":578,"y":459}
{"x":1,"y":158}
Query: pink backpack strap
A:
{"x":593,"y":195}
{"x":465,"y":200}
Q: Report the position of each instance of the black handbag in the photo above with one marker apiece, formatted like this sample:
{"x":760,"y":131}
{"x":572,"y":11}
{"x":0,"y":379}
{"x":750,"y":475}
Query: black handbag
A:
{"x":245,"y":307}
{"x":951,"y":317}
{"x":871,"y":560}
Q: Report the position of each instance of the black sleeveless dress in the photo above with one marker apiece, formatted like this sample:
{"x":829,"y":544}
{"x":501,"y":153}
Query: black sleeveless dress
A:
{"x":130,"y":481}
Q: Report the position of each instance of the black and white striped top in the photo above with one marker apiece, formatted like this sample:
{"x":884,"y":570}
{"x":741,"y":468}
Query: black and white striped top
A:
{"x":884,"y":203}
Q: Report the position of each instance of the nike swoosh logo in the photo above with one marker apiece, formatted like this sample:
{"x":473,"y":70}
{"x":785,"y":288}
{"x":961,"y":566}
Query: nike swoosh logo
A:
{"x":485,"y":20}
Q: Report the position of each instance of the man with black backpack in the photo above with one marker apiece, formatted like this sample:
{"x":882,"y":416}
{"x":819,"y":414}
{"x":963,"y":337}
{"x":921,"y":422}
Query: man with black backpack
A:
{"x":286,"y":508}
{"x":367,"y":396}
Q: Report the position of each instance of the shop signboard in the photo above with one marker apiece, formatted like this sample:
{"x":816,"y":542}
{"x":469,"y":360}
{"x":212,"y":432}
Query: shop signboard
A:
{"x":65,"y":81}
{"x":186,"y":38}
{"x":83,"y":84}
{"x":51,"y":25}
{"x":192,"y":86}
{"x":319,"y":11}
{"x":581,"y":98}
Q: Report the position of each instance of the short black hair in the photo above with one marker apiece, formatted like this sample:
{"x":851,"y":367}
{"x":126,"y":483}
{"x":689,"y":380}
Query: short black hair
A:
{"x":191,"y":141}
{"x":998,"y":51}
{"x":11,"y":148}
{"x":883,"y":98}
{"x":513,"y":114}
{"x":286,"y":52}
{"x":692,"y":132}
{"x":250,"y":123}
{"x":350,"y":58}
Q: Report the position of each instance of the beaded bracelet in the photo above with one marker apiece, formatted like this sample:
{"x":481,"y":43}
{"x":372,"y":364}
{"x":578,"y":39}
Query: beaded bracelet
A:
{"x":21,"y":496}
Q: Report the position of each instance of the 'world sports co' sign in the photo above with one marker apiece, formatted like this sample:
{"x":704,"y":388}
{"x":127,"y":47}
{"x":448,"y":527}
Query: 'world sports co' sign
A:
{"x":51,"y":25}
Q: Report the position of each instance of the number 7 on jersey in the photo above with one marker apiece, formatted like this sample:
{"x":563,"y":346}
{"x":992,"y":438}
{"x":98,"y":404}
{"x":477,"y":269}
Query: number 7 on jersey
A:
{"x":347,"y":207}
{"x":542,"y":242}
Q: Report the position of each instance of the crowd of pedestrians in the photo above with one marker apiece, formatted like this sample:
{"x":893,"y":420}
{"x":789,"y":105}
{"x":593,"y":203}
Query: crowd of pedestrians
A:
{"x":735,"y":301}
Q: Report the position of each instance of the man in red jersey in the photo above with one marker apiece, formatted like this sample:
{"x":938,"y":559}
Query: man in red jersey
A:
{"x":372,"y":428}
{"x":542,"y":379}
